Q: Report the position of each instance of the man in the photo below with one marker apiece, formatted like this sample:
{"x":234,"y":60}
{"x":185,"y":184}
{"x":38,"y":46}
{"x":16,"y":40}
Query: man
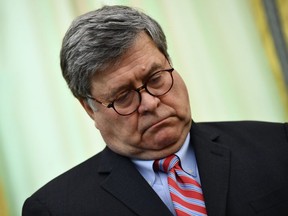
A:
{"x":116,"y":64}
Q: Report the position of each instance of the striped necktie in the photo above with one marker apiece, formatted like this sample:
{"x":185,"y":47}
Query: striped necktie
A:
{"x":185,"y":191}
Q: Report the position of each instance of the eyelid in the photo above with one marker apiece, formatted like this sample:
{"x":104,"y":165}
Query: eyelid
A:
{"x":155,"y":72}
{"x":152,"y":72}
{"x":119,"y":92}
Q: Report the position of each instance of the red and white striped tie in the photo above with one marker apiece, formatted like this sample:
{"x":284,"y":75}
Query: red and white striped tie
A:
{"x":185,"y":191}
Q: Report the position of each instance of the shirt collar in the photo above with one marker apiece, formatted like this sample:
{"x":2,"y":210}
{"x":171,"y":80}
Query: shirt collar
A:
{"x":187,"y":158}
{"x":186,"y":155}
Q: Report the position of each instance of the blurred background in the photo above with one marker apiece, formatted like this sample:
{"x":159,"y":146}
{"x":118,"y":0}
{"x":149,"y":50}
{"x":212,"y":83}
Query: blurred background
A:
{"x":231,"y":54}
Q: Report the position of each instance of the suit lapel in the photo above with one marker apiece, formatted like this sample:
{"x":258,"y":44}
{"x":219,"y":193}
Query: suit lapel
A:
{"x":213,"y":162}
{"x":125,"y":183}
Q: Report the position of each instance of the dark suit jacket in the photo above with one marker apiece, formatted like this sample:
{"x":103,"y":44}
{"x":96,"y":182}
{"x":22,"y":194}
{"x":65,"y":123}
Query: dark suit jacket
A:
{"x":243,"y":168}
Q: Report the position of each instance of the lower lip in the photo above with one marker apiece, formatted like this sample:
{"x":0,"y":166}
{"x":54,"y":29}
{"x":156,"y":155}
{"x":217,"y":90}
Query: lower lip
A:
{"x":158,"y":124}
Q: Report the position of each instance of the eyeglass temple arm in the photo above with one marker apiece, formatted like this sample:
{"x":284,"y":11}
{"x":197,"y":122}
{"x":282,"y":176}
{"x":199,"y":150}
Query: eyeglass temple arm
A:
{"x":106,"y":105}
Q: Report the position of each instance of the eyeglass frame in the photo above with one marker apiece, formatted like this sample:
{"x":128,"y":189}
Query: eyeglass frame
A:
{"x":138,"y":90}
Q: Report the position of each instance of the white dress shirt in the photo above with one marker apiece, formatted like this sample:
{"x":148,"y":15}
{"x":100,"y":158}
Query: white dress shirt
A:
{"x":158,"y":180}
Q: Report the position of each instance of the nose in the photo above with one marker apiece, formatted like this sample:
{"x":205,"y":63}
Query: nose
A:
{"x":148,"y":102}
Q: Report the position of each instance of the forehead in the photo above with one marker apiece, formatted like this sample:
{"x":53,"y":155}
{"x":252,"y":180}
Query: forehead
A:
{"x":142,"y":59}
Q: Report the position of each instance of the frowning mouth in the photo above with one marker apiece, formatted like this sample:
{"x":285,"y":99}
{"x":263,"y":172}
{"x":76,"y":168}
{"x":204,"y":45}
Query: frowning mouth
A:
{"x":156,"y":124}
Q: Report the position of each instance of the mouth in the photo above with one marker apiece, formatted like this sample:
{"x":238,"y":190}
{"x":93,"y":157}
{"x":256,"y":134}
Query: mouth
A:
{"x":156,"y":124}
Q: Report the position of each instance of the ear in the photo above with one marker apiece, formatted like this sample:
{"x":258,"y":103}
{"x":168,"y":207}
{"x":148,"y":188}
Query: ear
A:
{"x":87,"y":108}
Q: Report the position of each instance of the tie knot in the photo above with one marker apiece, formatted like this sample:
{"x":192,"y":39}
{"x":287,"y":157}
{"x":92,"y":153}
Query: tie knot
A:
{"x":166,"y":164}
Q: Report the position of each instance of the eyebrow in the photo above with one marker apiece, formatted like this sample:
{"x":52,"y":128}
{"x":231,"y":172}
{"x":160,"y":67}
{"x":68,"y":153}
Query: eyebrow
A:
{"x":154,"y":68}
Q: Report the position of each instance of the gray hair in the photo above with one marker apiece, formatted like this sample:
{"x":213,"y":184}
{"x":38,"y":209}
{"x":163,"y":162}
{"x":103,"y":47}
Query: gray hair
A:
{"x":98,"y":39}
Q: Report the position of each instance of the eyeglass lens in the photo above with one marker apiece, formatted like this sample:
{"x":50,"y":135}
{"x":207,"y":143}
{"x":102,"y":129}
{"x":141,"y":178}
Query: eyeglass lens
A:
{"x":157,"y":85}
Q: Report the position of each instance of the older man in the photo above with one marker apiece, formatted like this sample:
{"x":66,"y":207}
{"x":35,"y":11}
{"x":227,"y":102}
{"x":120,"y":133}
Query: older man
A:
{"x":157,"y":161}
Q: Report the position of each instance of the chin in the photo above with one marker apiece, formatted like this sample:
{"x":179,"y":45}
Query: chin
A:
{"x":163,"y":140}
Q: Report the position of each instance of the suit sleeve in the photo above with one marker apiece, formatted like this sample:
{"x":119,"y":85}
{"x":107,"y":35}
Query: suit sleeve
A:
{"x":34,"y":207}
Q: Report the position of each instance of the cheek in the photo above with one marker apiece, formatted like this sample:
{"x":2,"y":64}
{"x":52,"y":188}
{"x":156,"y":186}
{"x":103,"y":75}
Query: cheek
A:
{"x":117,"y":128}
{"x":179,"y":100}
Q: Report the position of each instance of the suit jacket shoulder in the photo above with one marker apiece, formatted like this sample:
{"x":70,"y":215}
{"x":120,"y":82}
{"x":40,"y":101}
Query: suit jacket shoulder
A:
{"x":243,"y":167}
{"x":106,"y":184}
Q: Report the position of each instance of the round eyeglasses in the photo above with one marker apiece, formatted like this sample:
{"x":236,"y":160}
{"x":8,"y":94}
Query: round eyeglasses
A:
{"x":158,"y":84}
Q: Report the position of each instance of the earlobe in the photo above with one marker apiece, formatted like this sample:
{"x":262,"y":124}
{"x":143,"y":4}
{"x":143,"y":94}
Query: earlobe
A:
{"x":96,"y":125}
{"x":87,"y":108}
{"x":90,"y":111}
